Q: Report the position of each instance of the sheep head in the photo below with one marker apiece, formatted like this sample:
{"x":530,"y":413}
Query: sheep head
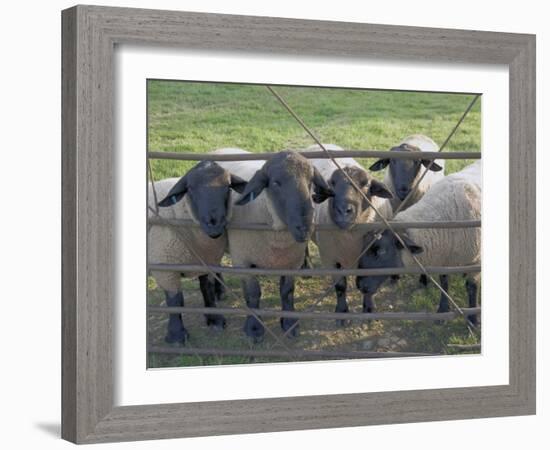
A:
{"x":290,"y":183}
{"x":348,"y":205}
{"x":385,"y":252}
{"x":207,"y":189}
{"x":404,"y":172}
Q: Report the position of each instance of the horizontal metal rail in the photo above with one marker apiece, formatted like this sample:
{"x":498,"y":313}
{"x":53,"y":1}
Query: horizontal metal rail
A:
{"x":305,"y":354}
{"x":360,"y":226}
{"x":310,"y":155}
{"x":355,"y":316}
{"x":197,"y":268}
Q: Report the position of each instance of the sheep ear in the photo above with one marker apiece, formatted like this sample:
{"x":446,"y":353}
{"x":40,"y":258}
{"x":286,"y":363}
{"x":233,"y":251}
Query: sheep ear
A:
{"x":254,"y":187}
{"x":321,"y":197}
{"x":321,"y":189}
{"x":176,"y":193}
{"x":379,"y":165}
{"x":379,"y":189}
{"x":435,"y":167}
{"x":237,"y":184}
{"x":413,"y":247}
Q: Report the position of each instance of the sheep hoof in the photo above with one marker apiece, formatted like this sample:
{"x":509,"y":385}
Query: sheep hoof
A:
{"x":289,"y":324}
{"x":179,"y":337}
{"x":215,"y":321}
{"x":254,"y":329}
{"x":394,"y":279}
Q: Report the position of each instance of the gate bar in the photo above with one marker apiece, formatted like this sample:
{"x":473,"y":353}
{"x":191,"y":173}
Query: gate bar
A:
{"x":197,"y":268}
{"x":313,"y":155}
{"x":315,"y":315}
{"x":314,"y":354}
{"x":373,"y":226}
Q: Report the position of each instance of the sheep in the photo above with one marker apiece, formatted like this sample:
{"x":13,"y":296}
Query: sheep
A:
{"x":402,"y":174}
{"x":342,"y":247}
{"x":202,"y":195}
{"x":279,"y":193}
{"x":456,"y":197}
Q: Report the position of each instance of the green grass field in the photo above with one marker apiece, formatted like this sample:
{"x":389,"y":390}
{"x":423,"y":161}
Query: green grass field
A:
{"x":200,"y":117}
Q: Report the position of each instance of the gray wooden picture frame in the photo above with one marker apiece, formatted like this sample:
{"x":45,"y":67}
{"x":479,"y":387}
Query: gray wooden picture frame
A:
{"x":89,"y":35}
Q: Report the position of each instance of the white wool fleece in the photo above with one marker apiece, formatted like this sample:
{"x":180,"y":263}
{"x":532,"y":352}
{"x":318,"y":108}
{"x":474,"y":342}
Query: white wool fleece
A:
{"x":337,"y":246}
{"x":178,"y":245}
{"x":456,"y":197}
{"x":275,"y":249}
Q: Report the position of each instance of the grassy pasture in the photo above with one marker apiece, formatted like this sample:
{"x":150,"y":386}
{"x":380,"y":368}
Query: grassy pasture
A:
{"x":200,"y":117}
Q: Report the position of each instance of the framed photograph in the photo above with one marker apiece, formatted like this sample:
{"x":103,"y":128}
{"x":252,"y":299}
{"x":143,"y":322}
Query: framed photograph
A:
{"x":268,"y":222}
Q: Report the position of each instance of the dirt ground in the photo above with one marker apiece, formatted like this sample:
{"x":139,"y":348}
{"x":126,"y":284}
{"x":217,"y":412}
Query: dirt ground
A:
{"x":374,"y":336}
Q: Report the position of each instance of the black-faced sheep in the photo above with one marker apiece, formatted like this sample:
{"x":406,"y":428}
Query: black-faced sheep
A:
{"x":456,"y":197}
{"x":279,"y":193}
{"x":341,"y":248}
{"x":204,"y":196}
{"x":403,"y":174}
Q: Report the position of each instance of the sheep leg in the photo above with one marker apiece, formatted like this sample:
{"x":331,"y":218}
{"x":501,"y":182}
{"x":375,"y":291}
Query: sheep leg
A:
{"x":252,"y":294}
{"x":219,"y":287}
{"x":369,"y":305}
{"x":472,"y":288}
{"x":286,"y":289}
{"x":423,"y":280}
{"x":443,"y":300}
{"x":208,"y":291}
{"x":307,"y":264}
{"x":177,"y":334}
{"x":340,"y":286}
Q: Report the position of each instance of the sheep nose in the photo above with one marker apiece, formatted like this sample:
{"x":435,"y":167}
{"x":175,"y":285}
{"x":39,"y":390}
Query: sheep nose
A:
{"x":301,"y":229}
{"x":346,"y":211}
{"x":301,"y":233}
{"x":403,"y":191}
{"x":364,"y":286}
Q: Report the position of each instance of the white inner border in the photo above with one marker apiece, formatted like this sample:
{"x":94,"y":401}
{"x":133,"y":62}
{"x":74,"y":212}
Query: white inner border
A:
{"x":136,"y":385}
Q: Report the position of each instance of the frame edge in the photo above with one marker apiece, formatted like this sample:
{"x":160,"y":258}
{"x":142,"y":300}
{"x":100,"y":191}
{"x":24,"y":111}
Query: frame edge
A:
{"x":69,"y":33}
{"x":88,"y":414}
{"x":522,"y":182}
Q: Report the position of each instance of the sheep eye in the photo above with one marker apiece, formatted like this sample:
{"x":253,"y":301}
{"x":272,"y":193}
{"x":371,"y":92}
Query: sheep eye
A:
{"x":381,"y":251}
{"x":276,"y":184}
